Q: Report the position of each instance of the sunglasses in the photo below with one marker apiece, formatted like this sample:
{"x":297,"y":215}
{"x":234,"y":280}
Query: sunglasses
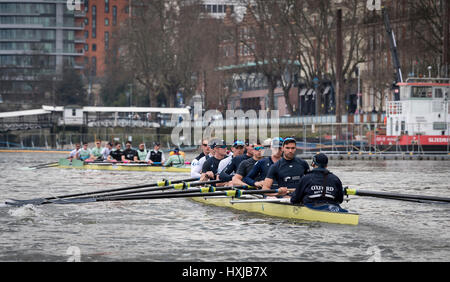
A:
{"x":258,"y":148}
{"x":222,"y":147}
{"x":205,"y":145}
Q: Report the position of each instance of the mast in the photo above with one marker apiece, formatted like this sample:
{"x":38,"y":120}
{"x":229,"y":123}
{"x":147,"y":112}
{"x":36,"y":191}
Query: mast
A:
{"x":394,"y":50}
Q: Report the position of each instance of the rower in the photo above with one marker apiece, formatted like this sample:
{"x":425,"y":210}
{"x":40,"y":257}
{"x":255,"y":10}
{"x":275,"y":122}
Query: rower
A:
{"x":246,"y":166}
{"x":288,"y":171}
{"x":142,"y":152}
{"x":175,"y":160}
{"x":319,"y":189}
{"x":236,"y":150}
{"x":197,"y":163}
{"x":209,"y":169}
{"x":106,"y":150}
{"x":228,"y":173}
{"x":84,"y":153}
{"x":155,"y":155}
{"x":74,"y":152}
{"x":259,"y":172}
{"x":116,"y":155}
{"x":129,"y":154}
{"x":96,"y":152}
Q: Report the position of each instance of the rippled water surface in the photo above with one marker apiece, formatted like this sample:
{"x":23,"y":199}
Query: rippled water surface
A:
{"x":182,"y":230}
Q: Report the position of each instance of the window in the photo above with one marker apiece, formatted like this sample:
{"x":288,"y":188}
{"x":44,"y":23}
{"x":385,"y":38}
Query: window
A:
{"x":86,"y":34}
{"x":94,"y":66}
{"x":438,"y":93}
{"x":94,"y":47}
{"x":74,"y":112}
{"x":106,"y":6}
{"x":114,"y":12}
{"x":421,"y":92}
{"x":86,"y":21}
{"x":86,"y":47}
{"x":94,"y":10}
{"x":86,"y":6}
{"x":106,"y":22}
{"x":94,"y":33}
{"x":106,"y":40}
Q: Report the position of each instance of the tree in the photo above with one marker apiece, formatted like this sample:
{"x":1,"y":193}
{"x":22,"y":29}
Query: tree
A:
{"x":162,"y":47}
{"x":313,"y":28}
{"x":264,"y":34}
{"x":70,"y":90}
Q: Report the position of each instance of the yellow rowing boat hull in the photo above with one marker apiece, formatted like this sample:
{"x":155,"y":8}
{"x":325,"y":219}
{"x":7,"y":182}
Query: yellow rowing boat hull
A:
{"x":283,"y":210}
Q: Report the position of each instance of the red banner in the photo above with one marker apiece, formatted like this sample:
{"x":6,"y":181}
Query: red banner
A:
{"x":412,"y":140}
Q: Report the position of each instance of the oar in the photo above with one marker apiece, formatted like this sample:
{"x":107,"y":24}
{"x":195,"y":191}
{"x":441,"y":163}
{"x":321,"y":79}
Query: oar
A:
{"x":39,"y":166}
{"x":228,"y":193}
{"x":39,"y":201}
{"x":395,"y":196}
{"x":207,"y":189}
{"x":179,"y":186}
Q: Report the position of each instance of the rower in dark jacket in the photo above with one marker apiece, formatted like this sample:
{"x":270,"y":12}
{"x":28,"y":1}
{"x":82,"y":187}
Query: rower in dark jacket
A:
{"x":288,"y":171}
{"x":320,"y":188}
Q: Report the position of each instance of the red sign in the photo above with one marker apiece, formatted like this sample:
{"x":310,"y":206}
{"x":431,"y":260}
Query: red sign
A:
{"x":412,"y":140}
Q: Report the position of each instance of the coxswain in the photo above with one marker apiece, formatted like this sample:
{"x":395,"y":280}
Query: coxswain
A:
{"x":176,"y":159}
{"x":84,"y":153}
{"x":259,"y":172}
{"x":73,"y":153}
{"x":156,"y":156}
{"x":209,"y":169}
{"x":288,"y":171}
{"x":236,"y":150}
{"x":116,"y":155}
{"x":129,"y":154}
{"x":96,"y":152}
{"x":319,"y":189}
{"x":197,"y":163}
{"x":246,"y":166}
{"x":142,"y":152}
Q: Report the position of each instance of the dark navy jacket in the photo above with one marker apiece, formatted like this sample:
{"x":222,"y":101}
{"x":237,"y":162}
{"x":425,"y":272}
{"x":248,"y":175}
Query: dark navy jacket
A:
{"x":259,"y":171}
{"x":310,"y":189}
{"x":287,"y":173}
{"x":228,"y":173}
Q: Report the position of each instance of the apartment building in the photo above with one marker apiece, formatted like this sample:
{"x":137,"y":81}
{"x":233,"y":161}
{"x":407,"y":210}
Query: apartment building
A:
{"x":37,"y":39}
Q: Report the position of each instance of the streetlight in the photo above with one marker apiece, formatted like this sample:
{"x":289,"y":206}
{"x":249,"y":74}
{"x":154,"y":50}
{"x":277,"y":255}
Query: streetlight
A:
{"x":429,"y":71}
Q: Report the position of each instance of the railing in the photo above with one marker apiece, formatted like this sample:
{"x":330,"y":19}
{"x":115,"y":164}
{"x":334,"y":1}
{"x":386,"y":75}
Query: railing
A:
{"x":342,"y":139}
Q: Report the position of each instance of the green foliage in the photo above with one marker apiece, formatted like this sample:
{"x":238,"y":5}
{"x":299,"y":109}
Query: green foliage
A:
{"x":70,"y":90}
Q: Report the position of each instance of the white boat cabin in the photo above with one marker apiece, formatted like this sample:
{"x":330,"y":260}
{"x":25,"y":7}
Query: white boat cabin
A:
{"x":423,"y":108}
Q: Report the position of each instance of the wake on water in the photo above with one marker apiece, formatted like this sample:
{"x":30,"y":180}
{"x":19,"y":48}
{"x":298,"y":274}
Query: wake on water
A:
{"x":23,"y":211}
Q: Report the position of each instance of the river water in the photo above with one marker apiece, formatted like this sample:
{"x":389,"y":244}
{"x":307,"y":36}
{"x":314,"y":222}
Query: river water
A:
{"x":182,"y":230}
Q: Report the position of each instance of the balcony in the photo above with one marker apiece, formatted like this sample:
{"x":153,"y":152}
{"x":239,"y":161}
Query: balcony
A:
{"x":79,"y":14}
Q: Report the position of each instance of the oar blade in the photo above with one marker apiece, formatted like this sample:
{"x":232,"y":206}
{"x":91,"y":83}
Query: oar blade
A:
{"x":19,"y":203}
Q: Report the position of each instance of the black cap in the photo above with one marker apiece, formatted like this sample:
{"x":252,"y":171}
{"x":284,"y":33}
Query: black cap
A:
{"x":216,"y":143}
{"x":156,"y":144}
{"x":321,"y":160}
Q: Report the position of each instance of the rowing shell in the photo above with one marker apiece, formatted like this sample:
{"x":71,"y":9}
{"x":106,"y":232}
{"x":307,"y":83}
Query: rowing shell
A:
{"x":64,"y":163}
{"x":283,"y":210}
